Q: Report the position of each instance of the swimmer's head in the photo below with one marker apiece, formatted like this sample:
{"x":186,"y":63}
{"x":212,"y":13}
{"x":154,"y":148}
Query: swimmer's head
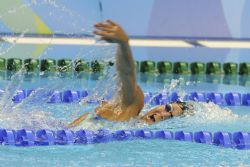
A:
{"x":163,"y":112}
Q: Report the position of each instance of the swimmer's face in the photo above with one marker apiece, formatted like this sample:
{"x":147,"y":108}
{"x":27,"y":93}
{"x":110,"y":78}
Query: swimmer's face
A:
{"x":159,"y":113}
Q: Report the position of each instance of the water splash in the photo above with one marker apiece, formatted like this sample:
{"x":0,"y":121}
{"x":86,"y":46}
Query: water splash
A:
{"x":36,"y":107}
{"x":204,"y":116}
{"x":33,"y":120}
{"x":173,"y":86}
{"x":6,"y":103}
{"x":210,"y":112}
{"x":34,"y":111}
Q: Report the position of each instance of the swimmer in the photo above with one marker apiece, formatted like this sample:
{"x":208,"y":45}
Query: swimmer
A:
{"x":131,"y":99}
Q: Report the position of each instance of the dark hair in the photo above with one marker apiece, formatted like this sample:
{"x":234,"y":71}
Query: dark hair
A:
{"x":168,"y":107}
{"x":182,"y":105}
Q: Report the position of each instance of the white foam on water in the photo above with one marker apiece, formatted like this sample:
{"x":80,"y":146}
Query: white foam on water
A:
{"x":211,"y":112}
{"x":33,"y":120}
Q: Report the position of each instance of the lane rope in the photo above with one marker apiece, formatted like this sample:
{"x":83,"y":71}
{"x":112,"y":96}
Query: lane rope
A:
{"x":69,"y":96}
{"x":44,"y":137}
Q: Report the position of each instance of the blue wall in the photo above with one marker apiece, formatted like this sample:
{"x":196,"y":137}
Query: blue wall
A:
{"x":206,"y":18}
{"x":192,"y":18}
{"x":175,"y":18}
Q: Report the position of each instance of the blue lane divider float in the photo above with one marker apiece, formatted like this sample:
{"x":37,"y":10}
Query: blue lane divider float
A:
{"x":24,"y":137}
{"x":7,"y":137}
{"x":230,"y":99}
{"x":203,"y":137}
{"x":216,"y":98}
{"x":233,"y":99}
{"x":246,"y":99}
{"x":43,"y":137}
{"x":223,"y":139}
{"x":20,"y":95}
{"x":162,"y":134}
{"x":174,"y":97}
{"x":242,"y":140}
{"x":146,"y":134}
{"x":123,"y":135}
{"x":197,"y":96}
{"x":64,"y":137}
{"x":69,"y":96}
{"x":84,"y":137}
{"x":184,"y":136}
{"x":55,"y":97}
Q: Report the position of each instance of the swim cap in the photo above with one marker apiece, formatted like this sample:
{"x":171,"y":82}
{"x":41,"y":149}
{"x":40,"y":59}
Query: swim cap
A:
{"x":168,"y":108}
{"x":182,"y":105}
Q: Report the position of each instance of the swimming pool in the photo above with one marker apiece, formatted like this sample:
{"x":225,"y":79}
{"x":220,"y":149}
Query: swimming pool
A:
{"x":154,"y":152}
{"x":46,"y":24}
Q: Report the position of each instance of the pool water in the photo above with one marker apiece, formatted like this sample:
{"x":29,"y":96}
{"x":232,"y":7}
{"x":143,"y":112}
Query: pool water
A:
{"x":34,"y":112}
{"x":127,"y":153}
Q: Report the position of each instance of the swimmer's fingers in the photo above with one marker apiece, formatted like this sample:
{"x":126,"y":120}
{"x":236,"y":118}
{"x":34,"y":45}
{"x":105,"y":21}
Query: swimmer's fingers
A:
{"x":98,"y":25}
{"x":111,"y":32}
{"x":107,"y":36}
{"x":103,"y":33}
{"x":111,"y":22}
{"x":110,"y":39}
{"x":107,"y":24}
{"x":108,"y":29}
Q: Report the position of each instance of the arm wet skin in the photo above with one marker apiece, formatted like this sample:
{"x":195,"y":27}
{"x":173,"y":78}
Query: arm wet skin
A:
{"x":131,"y":95}
{"x":132,"y":98}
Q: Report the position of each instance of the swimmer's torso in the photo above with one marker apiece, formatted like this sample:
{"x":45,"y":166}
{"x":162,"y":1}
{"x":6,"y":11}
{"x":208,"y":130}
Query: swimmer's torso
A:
{"x":116,"y":110}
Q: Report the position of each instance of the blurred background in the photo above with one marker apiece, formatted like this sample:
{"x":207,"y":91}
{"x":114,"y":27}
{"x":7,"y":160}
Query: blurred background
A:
{"x":181,"y":19}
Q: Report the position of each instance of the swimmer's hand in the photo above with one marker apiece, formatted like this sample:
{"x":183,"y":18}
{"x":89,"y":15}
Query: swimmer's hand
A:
{"x":78,"y":121}
{"x":111,"y":32}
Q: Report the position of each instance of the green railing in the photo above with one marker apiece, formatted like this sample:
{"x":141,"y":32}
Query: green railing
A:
{"x":162,"y":67}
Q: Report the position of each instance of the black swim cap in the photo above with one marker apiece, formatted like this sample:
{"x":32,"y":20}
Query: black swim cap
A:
{"x":168,"y":107}
{"x":182,"y":105}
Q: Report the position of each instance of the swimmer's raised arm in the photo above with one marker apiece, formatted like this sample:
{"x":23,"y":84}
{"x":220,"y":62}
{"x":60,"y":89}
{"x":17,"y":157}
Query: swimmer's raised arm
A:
{"x":131,"y":94}
{"x":112,"y":32}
